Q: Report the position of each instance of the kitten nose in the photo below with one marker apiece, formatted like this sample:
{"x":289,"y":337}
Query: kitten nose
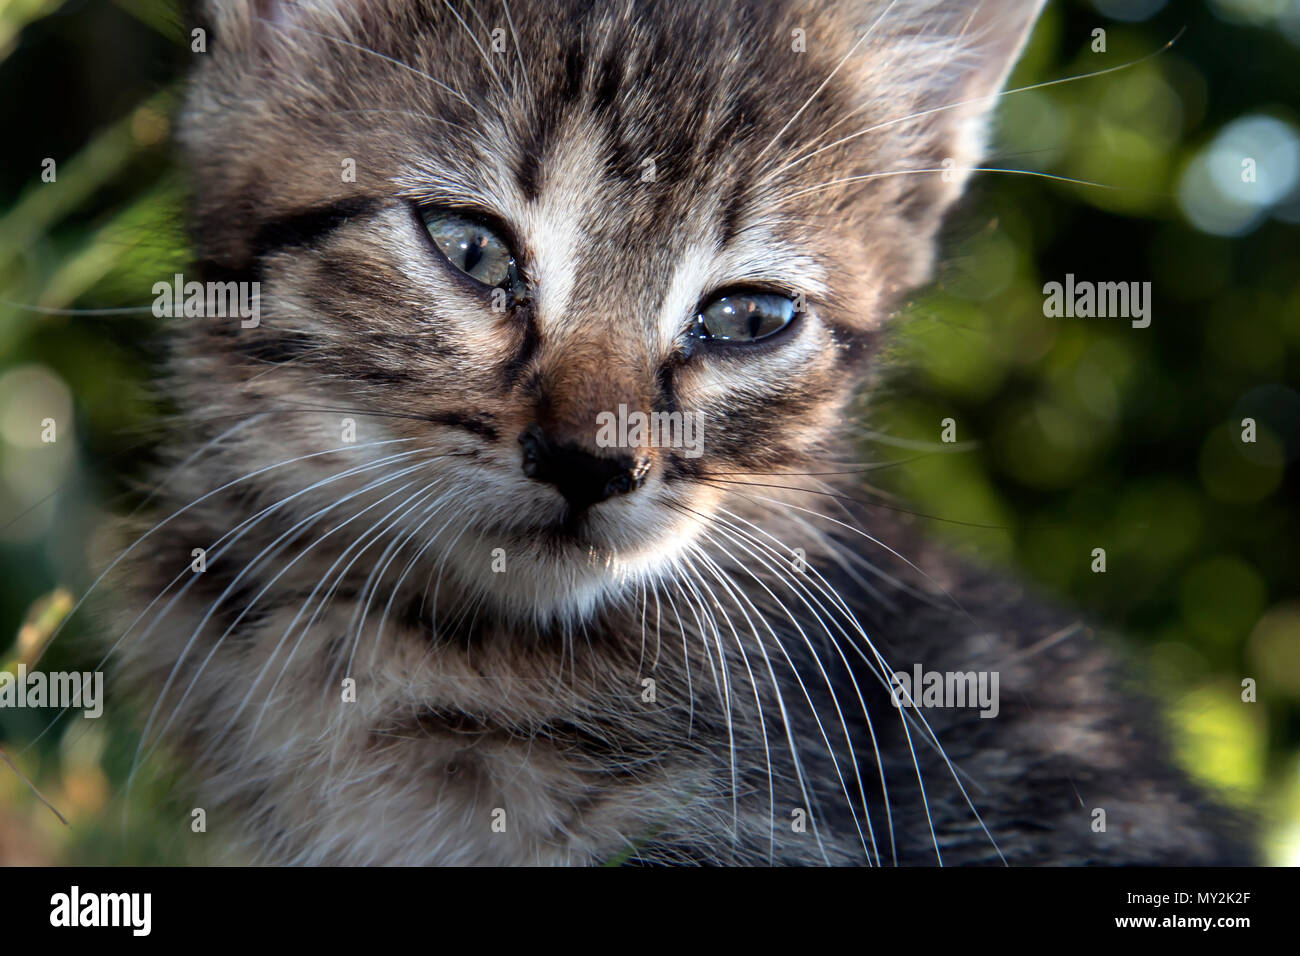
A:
{"x":582,"y":478}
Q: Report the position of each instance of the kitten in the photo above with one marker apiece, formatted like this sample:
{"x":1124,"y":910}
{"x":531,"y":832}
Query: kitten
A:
{"x":409,"y":593}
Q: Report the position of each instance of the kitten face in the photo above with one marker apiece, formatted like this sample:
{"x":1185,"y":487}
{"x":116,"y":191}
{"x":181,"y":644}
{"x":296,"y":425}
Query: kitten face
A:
{"x":637,"y":161}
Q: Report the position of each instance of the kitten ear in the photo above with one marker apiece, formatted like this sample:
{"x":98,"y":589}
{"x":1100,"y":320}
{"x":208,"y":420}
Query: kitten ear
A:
{"x":926,"y":74}
{"x":989,"y":38}
{"x":960,"y":53}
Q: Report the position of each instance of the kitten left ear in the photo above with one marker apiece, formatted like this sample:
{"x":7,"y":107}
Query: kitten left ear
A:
{"x":930,"y":72}
{"x":962,"y":53}
{"x":989,"y":38}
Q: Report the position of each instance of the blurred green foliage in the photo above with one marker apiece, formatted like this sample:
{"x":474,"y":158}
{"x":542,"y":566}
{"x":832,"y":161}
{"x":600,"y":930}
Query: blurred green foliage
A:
{"x":1073,"y":434}
{"x":1083,"y":433}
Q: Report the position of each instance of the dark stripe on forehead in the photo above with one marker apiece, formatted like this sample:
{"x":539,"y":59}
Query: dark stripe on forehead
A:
{"x":532,"y":152}
{"x":574,"y":70}
{"x":732,"y":211}
{"x":528,"y":174}
{"x":545,"y":120}
{"x":609,"y":82}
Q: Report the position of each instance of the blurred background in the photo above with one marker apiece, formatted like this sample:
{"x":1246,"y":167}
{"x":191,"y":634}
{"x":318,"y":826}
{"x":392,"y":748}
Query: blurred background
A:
{"x":1072,"y":433}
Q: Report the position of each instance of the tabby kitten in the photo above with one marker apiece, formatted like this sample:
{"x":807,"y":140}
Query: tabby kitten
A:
{"x":401,"y":599}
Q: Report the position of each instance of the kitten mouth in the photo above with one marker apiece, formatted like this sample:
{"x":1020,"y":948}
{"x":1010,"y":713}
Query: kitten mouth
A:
{"x":571,"y":532}
{"x":574,"y":526}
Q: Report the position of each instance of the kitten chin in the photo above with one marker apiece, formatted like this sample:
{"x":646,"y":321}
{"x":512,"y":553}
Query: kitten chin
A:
{"x":558,"y":575}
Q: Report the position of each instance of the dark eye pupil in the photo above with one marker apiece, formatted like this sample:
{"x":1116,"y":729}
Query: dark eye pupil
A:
{"x":473,"y":253}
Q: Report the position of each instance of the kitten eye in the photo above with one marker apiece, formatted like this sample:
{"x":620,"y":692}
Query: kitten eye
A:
{"x":471,"y":247}
{"x":743,"y":317}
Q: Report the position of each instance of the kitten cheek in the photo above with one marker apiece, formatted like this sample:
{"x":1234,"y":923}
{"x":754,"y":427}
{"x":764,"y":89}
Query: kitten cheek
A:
{"x":469,"y":322}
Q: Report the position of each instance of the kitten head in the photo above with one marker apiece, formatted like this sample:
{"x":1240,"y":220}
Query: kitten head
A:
{"x":598,"y":262}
